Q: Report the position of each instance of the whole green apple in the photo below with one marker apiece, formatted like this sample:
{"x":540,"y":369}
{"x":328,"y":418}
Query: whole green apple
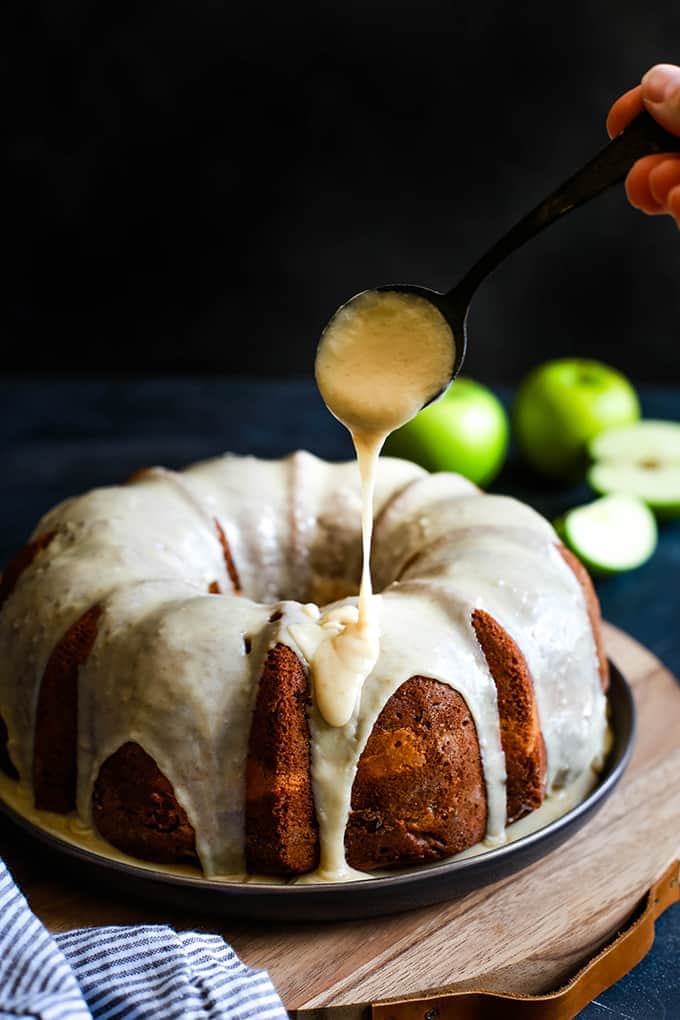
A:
{"x":466,"y":431}
{"x":561,"y":405}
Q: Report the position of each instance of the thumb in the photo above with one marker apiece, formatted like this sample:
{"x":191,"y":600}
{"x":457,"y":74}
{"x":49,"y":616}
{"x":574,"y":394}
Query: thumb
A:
{"x":661,"y":95}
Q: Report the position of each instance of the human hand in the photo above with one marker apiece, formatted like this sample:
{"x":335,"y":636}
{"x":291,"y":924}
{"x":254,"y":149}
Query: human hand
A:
{"x":653,"y":184}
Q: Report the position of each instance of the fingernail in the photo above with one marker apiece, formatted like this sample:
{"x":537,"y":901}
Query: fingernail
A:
{"x":660,"y":83}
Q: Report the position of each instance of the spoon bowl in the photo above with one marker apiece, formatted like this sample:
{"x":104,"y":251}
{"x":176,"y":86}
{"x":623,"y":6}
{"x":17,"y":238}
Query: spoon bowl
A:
{"x":455,"y":316}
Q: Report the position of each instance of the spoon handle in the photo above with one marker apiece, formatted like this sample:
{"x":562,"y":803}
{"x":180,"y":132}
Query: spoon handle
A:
{"x":640,"y":138}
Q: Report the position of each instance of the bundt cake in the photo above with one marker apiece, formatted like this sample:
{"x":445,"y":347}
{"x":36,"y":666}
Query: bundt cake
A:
{"x":154,"y":675}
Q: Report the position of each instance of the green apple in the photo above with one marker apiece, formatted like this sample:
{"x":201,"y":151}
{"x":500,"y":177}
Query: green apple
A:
{"x":561,"y":405}
{"x":643,"y":460}
{"x":612,"y":534}
{"x":466,"y":430}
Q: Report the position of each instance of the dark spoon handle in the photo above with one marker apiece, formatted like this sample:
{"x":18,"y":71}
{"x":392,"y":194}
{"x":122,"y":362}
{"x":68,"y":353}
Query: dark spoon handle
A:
{"x":640,"y":138}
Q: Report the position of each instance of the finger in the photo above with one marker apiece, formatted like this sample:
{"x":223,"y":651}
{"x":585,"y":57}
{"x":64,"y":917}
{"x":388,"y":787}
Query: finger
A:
{"x":663,"y":178}
{"x":673,"y":204}
{"x":624,"y":109}
{"x":661,"y":95}
{"x":638,"y":188}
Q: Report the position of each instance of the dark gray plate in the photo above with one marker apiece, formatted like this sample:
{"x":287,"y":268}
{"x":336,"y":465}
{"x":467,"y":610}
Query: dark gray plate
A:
{"x":400,"y":890}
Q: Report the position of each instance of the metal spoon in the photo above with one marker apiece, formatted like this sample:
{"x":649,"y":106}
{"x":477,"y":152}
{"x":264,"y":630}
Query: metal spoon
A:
{"x":641,"y":137}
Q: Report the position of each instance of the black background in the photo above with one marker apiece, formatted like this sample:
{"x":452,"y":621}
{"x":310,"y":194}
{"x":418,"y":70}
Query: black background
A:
{"x":194,"y":187}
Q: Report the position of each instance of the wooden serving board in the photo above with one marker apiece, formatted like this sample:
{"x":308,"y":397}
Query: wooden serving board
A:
{"x":524,"y":934}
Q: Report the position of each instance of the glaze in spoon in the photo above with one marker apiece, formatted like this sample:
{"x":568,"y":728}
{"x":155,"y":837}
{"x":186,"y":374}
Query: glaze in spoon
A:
{"x":641,"y":137}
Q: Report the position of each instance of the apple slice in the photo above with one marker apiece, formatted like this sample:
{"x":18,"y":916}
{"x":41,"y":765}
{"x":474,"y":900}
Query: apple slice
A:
{"x":642,"y":459}
{"x":612,"y":534}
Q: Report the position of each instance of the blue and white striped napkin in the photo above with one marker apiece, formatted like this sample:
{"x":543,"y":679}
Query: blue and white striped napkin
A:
{"x":133,"y":973}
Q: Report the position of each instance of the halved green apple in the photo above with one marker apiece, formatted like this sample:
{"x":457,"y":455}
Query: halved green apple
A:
{"x":643,"y":460}
{"x":610,"y":535}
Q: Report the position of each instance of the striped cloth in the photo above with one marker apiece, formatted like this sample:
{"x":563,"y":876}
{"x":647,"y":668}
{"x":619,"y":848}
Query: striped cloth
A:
{"x":136,"y":973}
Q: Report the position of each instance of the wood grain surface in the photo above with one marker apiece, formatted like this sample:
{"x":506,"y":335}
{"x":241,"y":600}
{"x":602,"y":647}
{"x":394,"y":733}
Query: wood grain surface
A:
{"x":526,"y":933}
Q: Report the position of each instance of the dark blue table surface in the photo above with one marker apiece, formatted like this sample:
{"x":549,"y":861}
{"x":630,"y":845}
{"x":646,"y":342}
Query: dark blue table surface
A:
{"x":61,"y":436}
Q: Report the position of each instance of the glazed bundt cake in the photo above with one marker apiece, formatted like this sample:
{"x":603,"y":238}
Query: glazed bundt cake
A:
{"x":154,"y":675}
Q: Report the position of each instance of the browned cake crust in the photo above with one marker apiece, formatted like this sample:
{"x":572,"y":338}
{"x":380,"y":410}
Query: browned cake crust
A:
{"x":214,"y":586}
{"x":8,"y":580}
{"x":521,"y":737}
{"x":6,"y":763}
{"x":282,"y":835}
{"x":20,"y":562}
{"x":419,"y":790}
{"x":228,"y":558}
{"x":56,"y":721}
{"x":137,"y":475}
{"x":135,"y":809}
{"x":592,"y":608}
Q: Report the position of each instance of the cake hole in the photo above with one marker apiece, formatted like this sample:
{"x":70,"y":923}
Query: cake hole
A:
{"x":247,"y":644}
{"x":276,"y":616}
